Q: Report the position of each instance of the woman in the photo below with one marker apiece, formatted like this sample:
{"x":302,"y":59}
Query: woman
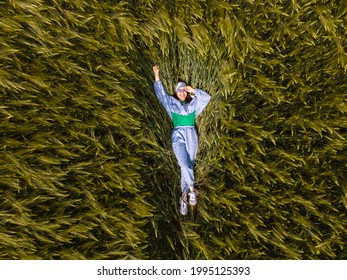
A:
{"x":183,"y":109}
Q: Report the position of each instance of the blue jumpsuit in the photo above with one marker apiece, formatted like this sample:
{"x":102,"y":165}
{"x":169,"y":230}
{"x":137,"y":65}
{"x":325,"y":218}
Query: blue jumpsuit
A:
{"x":184,"y":137}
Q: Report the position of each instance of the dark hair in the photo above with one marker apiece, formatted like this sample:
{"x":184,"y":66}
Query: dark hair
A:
{"x":188,"y":98}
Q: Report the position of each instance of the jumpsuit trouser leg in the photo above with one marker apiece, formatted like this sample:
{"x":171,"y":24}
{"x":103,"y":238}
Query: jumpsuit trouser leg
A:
{"x":185,"y":146}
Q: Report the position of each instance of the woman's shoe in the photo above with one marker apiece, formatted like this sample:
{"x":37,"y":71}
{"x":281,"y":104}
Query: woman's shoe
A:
{"x":193,"y":197}
{"x":183,"y":204}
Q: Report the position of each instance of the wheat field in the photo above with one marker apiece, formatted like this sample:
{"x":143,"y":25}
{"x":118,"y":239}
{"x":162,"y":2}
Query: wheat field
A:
{"x":86,"y":165}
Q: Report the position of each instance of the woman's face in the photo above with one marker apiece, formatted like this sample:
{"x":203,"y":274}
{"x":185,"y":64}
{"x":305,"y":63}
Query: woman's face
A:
{"x":181,"y":94}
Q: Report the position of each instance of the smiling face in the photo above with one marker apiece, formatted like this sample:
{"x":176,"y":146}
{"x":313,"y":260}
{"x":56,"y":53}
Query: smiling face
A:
{"x":181,"y":93}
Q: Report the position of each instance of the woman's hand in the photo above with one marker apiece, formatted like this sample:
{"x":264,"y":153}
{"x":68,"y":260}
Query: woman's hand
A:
{"x":189,"y":89}
{"x":156,"y":72}
{"x":156,"y":69}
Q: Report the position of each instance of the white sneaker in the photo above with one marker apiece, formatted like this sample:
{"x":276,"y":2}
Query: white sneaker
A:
{"x":193,"y":197}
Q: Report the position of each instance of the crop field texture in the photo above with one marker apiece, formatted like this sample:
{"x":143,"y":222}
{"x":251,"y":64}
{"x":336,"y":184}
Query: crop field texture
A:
{"x":87,"y":169}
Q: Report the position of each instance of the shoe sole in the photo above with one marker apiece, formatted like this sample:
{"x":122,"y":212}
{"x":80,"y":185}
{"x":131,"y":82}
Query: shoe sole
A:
{"x":196,"y":199}
{"x":186,"y":208}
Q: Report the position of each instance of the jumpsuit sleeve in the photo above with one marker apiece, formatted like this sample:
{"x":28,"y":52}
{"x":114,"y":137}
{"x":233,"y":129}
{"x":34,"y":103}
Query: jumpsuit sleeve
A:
{"x":202,"y":99}
{"x":162,"y":95}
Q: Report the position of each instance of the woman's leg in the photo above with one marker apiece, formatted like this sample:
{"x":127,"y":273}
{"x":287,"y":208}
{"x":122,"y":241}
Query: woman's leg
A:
{"x":182,"y":156}
{"x":185,"y":145}
{"x":192,"y":148}
{"x":191,"y":145}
